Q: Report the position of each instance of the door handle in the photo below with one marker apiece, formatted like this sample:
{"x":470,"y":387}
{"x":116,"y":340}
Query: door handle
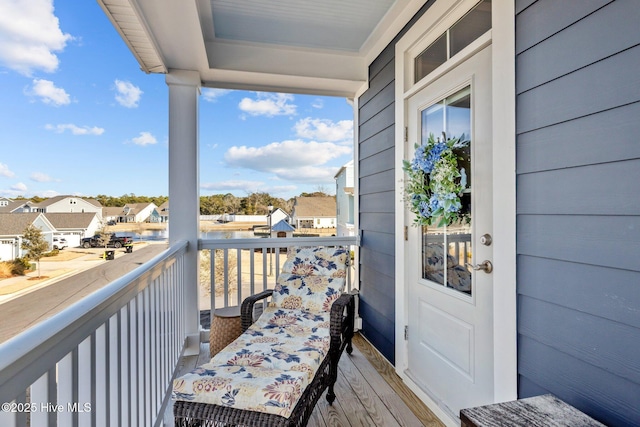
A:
{"x":485,"y":266}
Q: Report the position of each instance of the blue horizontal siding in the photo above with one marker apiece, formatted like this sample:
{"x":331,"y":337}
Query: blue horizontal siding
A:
{"x":377,"y":198}
{"x":597,"y":392}
{"x":578,"y":209}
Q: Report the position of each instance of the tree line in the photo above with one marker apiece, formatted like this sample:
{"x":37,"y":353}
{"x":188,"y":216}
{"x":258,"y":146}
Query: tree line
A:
{"x":256,"y":203}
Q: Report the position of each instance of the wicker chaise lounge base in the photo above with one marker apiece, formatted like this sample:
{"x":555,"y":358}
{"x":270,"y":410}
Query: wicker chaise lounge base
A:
{"x":341,"y":325}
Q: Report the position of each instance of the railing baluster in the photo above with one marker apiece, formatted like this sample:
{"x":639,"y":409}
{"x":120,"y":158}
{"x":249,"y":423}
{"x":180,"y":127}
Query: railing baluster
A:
{"x":140,"y":362}
{"x":85,"y":366}
{"x":164,"y":351}
{"x":264,"y":268}
{"x":153,"y":354}
{"x":349,"y":269}
{"x":239,"y":275}
{"x":65,"y":388}
{"x":39,"y":395}
{"x":134,"y":349}
{"x":148,"y":357}
{"x":101,"y":353}
{"x":226,"y":277}
{"x":212,"y":274}
{"x":252,"y":268}
{"x":111,"y":358}
{"x":9,"y":419}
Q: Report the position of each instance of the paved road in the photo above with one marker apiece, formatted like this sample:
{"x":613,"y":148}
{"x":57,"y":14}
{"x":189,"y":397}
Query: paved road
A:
{"x":25,"y":311}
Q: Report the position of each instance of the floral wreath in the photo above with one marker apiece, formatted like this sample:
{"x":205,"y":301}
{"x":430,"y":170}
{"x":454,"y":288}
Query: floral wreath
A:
{"x":435,"y":182}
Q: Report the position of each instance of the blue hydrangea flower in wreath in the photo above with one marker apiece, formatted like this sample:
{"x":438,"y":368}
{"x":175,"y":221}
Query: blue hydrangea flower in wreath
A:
{"x":435,"y":182}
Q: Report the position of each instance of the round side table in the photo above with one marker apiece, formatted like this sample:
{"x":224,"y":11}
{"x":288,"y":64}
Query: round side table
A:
{"x":226,"y":326}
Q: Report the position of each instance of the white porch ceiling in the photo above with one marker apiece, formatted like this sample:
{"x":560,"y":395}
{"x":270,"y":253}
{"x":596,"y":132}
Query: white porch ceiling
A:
{"x":299,"y":46}
{"x":329,"y":24}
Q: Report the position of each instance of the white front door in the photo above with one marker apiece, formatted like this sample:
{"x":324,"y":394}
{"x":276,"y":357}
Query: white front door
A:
{"x":450,"y":311}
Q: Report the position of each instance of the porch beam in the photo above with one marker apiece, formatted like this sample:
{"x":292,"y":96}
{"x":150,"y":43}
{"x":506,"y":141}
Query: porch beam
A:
{"x":184,"y":195}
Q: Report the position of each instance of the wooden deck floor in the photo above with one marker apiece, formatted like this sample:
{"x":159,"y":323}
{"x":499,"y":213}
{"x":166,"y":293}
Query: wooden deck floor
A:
{"x":369,"y":393}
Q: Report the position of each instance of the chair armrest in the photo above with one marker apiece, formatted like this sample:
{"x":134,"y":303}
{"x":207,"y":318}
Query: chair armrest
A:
{"x":342,"y":325}
{"x":246,"y":310}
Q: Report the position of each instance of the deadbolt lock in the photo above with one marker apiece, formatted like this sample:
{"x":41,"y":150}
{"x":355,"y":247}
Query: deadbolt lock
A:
{"x":486,"y":239}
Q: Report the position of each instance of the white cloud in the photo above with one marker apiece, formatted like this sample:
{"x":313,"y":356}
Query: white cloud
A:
{"x":5,"y":171}
{"x":49,"y":93}
{"x":294,"y":153}
{"x":318,"y":103}
{"x":145,"y":138}
{"x":29,"y":35}
{"x":269,"y":104}
{"x":75,"y":130}
{"x":289,"y":160}
{"x":41,"y":177}
{"x":19,"y":187}
{"x":16,"y":190}
{"x":279,"y":189}
{"x":248,"y":186}
{"x":310,"y":174}
{"x":212,"y":95}
{"x":325,"y":130}
{"x":128,"y":94}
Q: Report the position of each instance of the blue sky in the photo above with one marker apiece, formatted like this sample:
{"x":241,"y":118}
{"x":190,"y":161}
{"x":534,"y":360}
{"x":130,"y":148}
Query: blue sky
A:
{"x":77,"y":116}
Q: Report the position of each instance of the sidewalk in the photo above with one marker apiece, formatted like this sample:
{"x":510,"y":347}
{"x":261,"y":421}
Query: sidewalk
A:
{"x":70,"y":261}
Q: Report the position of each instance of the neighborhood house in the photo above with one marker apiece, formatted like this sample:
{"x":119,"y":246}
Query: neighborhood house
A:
{"x":314,"y":212}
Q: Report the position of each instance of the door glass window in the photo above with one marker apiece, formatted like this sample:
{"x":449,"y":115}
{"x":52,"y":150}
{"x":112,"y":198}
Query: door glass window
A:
{"x":446,"y":250}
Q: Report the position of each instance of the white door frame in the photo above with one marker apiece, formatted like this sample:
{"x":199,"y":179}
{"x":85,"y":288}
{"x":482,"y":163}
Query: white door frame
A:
{"x":441,"y":15}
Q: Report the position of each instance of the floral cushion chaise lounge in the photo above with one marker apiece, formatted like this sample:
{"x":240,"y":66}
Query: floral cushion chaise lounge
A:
{"x":276,"y":371}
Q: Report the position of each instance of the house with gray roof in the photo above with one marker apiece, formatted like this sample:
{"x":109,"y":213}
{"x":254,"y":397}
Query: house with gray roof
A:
{"x":138,"y":212}
{"x":113,"y":213}
{"x":314,"y":212}
{"x":12,"y":206}
{"x":74,"y":226}
{"x":163,"y":212}
{"x":12,"y":226}
{"x":70,"y":204}
{"x":4,"y":202}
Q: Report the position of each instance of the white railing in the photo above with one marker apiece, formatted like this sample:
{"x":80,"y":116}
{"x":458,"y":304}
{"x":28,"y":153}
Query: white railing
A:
{"x":242,"y":267}
{"x":107,"y":360}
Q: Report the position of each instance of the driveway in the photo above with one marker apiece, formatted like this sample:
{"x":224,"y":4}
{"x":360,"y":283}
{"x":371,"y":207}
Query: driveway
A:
{"x":68,"y":281}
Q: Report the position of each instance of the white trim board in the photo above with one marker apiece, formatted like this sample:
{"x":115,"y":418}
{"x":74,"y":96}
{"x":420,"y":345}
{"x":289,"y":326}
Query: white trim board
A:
{"x":440,"y":16}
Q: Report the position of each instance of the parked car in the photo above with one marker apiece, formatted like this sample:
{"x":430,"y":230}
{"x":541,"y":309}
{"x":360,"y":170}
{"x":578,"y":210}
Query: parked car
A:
{"x":59,"y":243}
{"x":114,"y":241}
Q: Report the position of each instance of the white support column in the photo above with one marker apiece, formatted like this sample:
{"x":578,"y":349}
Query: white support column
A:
{"x":184,"y":194}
